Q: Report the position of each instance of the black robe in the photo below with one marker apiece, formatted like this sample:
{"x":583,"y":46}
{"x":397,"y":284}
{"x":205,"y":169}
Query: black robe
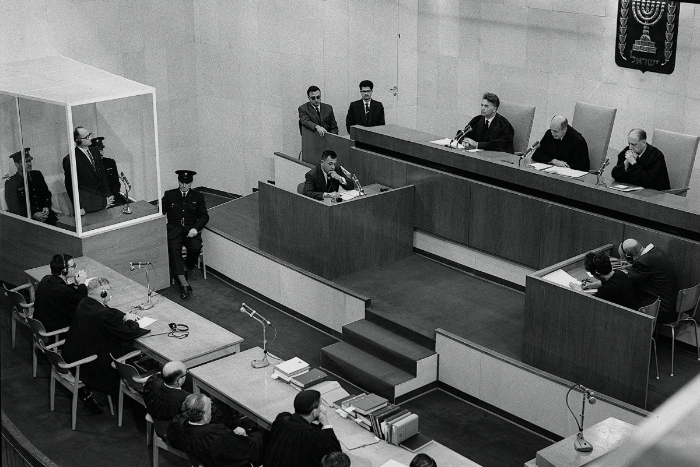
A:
{"x":652,"y":276}
{"x":214,"y":444}
{"x":99,"y":330}
{"x":162,"y":402}
{"x":497,"y":137}
{"x":572,"y":149}
{"x":649,"y":171}
{"x":294,"y":442}
{"x":56,"y":302}
{"x":618,"y":289}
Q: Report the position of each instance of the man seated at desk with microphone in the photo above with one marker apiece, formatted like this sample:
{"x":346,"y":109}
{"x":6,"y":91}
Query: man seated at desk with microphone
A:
{"x":563,"y":146}
{"x":326,"y":178}
{"x":490,"y":130}
{"x":612,"y":285}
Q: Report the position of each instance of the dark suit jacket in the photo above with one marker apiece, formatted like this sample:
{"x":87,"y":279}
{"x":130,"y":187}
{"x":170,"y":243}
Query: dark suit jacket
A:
{"x":315,"y":184}
{"x":618,"y":289}
{"x":498,"y":137}
{"x":572,"y":149}
{"x":112,"y":174}
{"x":309,"y":117}
{"x":190,"y":211}
{"x":56,"y":301}
{"x":652,"y":276}
{"x":649,"y":171}
{"x":39,"y":195}
{"x":93,"y":186}
{"x":356,"y":114}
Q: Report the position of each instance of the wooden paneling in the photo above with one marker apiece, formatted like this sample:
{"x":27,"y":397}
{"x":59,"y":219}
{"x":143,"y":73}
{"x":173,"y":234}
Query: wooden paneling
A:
{"x":374,"y":168}
{"x":313,"y":145}
{"x":567,"y":232}
{"x":505,"y":224}
{"x":587,"y":340}
{"x":371,"y":231}
{"x":146,"y":241}
{"x":443,"y":203}
{"x":27,"y":245}
{"x":684,"y":253}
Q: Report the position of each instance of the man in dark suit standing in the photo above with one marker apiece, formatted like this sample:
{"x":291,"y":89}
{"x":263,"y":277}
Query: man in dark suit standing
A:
{"x":652,"y":276}
{"x":490,"y":130}
{"x":563,"y":146}
{"x":93,"y":186}
{"x":315,"y":115}
{"x":187,"y":216}
{"x":326,"y":178}
{"x":366,"y":111}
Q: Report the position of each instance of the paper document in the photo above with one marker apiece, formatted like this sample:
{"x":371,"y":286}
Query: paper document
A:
{"x":566,"y":172}
{"x":393,"y":463}
{"x":145,"y":321}
{"x":348,"y":195}
{"x":617,"y":186}
{"x":540,"y":166}
{"x":358,"y":440}
{"x":474,"y":150}
{"x":448,"y":142}
{"x":561,"y":277}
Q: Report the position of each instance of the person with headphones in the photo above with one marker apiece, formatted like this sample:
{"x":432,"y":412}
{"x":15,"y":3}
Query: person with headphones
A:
{"x":93,"y":186}
{"x":56,"y":298}
{"x":614,"y":286}
{"x":99,"y":330}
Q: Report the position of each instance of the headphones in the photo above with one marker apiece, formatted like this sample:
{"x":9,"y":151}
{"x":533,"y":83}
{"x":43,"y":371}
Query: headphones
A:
{"x":178,"y":331}
{"x":104,"y":293}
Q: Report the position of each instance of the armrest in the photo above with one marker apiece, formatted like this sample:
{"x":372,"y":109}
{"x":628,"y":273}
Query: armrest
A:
{"x":27,"y":305}
{"x":55,"y":344}
{"x":677,"y":191}
{"x":141,"y":380}
{"x":79,"y":362}
{"x":128,"y":356}
{"x":518,"y":153}
{"x":54,"y":333}
{"x":20,"y":287}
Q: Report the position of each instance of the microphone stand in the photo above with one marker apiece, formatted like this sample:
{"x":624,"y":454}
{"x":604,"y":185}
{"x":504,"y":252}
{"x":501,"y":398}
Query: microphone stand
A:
{"x":581,"y":444}
{"x":149,"y":304}
{"x":263,"y":362}
{"x":358,"y":186}
{"x":599,"y":173}
{"x":127,"y":186}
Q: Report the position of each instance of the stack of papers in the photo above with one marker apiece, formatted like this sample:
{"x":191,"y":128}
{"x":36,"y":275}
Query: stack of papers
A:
{"x":617,"y":186}
{"x":448,"y":142}
{"x":291,"y":368}
{"x":348,"y":195}
{"x":566,"y":172}
{"x":561,"y":277}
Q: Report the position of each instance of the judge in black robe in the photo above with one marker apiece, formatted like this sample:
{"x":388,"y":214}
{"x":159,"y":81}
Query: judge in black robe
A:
{"x":641,"y":164}
{"x":303,"y":438}
{"x":563,"y":146}
{"x":163,"y":402}
{"x":490,"y":131}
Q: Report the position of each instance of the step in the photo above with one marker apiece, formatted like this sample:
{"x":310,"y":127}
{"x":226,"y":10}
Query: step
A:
{"x":364,"y":370}
{"x":386,"y":345}
{"x":420,"y":337}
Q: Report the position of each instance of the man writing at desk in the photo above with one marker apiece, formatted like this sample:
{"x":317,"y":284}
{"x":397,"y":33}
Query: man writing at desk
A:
{"x":325,"y":180}
{"x":563,"y":146}
{"x":613,"y":286}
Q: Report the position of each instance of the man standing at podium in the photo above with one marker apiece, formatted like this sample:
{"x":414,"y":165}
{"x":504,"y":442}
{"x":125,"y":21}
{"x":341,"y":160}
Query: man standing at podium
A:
{"x":490,"y":130}
{"x":316,"y":116}
{"x":325,"y":180}
{"x":366,"y":111}
{"x":187,"y":216}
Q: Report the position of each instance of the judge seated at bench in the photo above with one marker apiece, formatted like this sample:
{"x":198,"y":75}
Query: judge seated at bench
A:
{"x":326,"y":178}
{"x":563,"y":146}
{"x":613,"y":286}
{"x":641,"y":163}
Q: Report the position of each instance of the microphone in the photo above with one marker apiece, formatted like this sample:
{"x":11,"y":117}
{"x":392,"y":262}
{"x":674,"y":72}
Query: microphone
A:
{"x":137,"y":264}
{"x":590,"y":395}
{"x":345,"y":172}
{"x":466,"y":130}
{"x":532,"y":149}
{"x":126,"y":182}
{"x":457,"y":136}
{"x":252,"y":313}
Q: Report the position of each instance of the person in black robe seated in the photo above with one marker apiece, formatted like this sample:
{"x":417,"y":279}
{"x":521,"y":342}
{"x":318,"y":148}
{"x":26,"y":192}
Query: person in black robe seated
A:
{"x":563,"y":146}
{"x":613,"y":286}
{"x":490,"y":131}
{"x":99,"y":330}
{"x":56,"y":300}
{"x":212,"y":444}
{"x":641,"y":163}
{"x":301,"y":439}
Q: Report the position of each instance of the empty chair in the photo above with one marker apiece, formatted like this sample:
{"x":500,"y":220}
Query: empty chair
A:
{"x":687,"y":308}
{"x":653,"y":311}
{"x":679,"y":151}
{"x":20,"y":308}
{"x":131,"y":383}
{"x":595,"y":123}
{"x":155,"y":431}
{"x":40,"y":335}
{"x":521,"y":118}
{"x":60,"y":371}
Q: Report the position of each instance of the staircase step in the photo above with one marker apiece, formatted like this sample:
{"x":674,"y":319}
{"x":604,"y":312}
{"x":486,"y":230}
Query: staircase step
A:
{"x":385,"y":345}
{"x":420,"y":337}
{"x":364,"y":370}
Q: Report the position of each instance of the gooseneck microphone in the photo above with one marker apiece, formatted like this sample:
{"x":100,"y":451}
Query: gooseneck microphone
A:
{"x":126,"y":182}
{"x":252,"y":313}
{"x":466,"y":130}
{"x":529,"y":152}
{"x":137,"y":264}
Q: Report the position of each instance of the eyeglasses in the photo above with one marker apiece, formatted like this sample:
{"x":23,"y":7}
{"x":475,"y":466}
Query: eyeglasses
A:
{"x":315,"y":98}
{"x":369,"y":91}
{"x":86,"y":136}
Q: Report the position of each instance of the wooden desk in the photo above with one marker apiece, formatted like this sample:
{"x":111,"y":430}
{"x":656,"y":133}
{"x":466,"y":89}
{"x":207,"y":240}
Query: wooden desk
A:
{"x":585,"y":339}
{"x":335,"y":239}
{"x":206,"y":341}
{"x":252,"y":391}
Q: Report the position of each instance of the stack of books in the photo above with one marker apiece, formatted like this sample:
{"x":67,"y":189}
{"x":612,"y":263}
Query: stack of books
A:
{"x":308,"y":379}
{"x":291,"y":368}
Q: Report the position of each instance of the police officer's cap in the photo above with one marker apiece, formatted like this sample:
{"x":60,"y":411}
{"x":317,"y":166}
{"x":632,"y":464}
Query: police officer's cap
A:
{"x":185,"y":176}
{"x":97,"y":142}
{"x":17,"y":157}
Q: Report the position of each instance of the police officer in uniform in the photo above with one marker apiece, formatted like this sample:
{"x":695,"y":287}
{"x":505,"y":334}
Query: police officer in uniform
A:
{"x":39,"y":194}
{"x":187,"y":216}
{"x":111,"y":171}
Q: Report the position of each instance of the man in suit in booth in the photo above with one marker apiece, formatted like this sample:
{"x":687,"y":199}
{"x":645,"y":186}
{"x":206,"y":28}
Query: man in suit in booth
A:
{"x":366,"y":111}
{"x":93,"y":186}
{"x":490,"y":130}
{"x":315,"y":115}
{"x":326,"y":178}
{"x":111,"y":171}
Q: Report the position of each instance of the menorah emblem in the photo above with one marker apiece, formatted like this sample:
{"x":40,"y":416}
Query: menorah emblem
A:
{"x":647,"y":13}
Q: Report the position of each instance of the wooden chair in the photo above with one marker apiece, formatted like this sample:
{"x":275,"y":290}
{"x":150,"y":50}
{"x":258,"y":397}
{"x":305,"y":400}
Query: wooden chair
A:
{"x":40,"y":335}
{"x":60,"y":371}
{"x":131,"y":382}
{"x":21,"y":310}
{"x":679,"y":151}
{"x":155,"y":432}
{"x":521,"y":118}
{"x":595,"y":124}
{"x":653,"y":311}
{"x":687,"y":307}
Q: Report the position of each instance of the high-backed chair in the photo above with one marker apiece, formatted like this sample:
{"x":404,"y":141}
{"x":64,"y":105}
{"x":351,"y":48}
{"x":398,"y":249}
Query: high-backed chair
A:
{"x":157,"y":428}
{"x":595,"y":123}
{"x":687,"y":307}
{"x":679,"y":151}
{"x":20,"y":308}
{"x":131,"y":383}
{"x":653,"y":311}
{"x":520,"y":117}
{"x":40,"y":336}
{"x":60,"y":371}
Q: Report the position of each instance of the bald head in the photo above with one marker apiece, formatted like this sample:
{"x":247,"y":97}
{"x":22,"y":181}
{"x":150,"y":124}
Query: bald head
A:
{"x":558,"y":126}
{"x":172,"y":372}
{"x":630,"y":249}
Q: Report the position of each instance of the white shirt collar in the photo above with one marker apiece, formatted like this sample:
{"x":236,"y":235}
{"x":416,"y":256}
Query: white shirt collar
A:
{"x":489,"y":120}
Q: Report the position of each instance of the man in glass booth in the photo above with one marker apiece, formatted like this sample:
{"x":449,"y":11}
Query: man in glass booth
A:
{"x":39,"y":194}
{"x":93,"y":186}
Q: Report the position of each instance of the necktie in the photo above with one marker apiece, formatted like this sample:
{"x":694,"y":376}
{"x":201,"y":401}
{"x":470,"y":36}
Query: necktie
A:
{"x":90,"y":158}
{"x":318,"y":111}
{"x":328,"y":183}
{"x":366,"y":112}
